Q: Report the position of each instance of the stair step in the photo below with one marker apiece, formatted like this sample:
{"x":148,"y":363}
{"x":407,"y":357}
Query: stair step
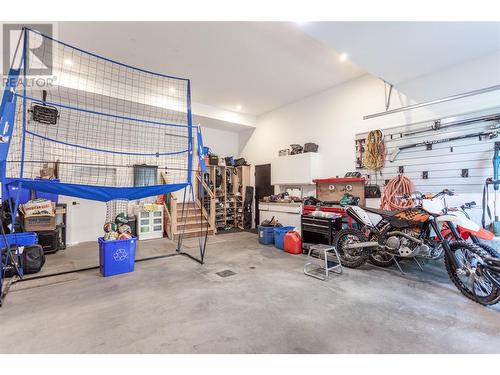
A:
{"x":189,"y":233}
{"x":187,"y":226}
{"x":190,"y":210}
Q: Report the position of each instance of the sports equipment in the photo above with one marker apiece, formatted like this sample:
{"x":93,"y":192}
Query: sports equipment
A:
{"x":107,"y":130}
{"x":112,"y":119}
{"x":109,"y":227}
{"x":121,"y":218}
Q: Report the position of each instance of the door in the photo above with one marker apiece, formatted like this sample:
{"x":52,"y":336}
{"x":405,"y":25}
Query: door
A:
{"x":85,"y":219}
{"x":263,"y":187}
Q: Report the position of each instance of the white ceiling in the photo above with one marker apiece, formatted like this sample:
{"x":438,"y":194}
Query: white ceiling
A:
{"x":259,"y":65}
{"x":400,"y":51}
{"x":265,"y":65}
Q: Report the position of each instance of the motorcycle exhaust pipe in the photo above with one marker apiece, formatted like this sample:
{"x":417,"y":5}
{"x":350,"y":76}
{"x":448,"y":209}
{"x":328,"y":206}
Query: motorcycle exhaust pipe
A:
{"x":402,"y":234}
{"x":361,"y":245}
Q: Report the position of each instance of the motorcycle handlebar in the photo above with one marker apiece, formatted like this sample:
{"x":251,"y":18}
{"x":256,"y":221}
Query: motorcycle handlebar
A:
{"x":444,"y":192}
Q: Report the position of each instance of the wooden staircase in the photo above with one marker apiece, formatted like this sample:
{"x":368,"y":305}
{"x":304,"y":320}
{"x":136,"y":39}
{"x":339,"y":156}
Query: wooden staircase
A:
{"x":190,"y":221}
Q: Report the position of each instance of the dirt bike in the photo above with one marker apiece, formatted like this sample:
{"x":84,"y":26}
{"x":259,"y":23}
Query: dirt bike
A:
{"x":417,"y":232}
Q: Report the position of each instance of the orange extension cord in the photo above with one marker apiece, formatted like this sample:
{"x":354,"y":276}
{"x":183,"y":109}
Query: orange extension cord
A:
{"x":395,"y":188}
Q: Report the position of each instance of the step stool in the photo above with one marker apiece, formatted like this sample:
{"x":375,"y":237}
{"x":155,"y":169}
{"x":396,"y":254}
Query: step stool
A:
{"x":318,"y":266}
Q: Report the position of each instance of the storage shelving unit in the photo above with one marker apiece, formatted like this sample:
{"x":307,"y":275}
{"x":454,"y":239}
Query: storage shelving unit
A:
{"x":229,"y":190}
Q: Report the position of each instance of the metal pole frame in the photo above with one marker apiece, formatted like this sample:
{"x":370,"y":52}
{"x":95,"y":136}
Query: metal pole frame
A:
{"x":432,"y":102}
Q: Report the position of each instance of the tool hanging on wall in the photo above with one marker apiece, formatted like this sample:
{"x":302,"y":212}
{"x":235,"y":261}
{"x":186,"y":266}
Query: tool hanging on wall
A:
{"x":488,"y":134}
{"x":437,"y":125}
{"x":374,"y":157}
{"x":496,"y":165}
{"x":360,"y":149}
{"x":394,"y":190}
{"x":495,"y":224}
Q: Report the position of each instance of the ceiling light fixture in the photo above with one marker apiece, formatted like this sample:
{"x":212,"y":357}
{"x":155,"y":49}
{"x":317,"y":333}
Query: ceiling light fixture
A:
{"x":239,"y":107}
{"x":68,"y":62}
{"x":343,"y":57}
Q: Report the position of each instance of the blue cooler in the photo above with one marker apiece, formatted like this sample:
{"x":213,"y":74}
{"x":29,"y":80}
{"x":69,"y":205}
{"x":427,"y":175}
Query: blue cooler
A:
{"x":265,"y":235}
{"x":19,"y":239}
{"x":279,"y":236}
{"x":116,"y":256}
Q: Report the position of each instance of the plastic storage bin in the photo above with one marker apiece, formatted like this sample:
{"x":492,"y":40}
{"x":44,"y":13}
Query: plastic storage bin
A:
{"x":20,"y":239}
{"x":266,"y":236}
{"x":117,"y":256}
{"x":279,"y":236}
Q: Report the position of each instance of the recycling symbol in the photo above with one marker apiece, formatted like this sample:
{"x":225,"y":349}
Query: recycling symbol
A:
{"x":119,"y":255}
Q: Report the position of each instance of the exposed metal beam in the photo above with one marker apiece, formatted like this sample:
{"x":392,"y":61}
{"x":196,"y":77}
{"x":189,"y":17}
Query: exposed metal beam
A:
{"x":435,"y":101}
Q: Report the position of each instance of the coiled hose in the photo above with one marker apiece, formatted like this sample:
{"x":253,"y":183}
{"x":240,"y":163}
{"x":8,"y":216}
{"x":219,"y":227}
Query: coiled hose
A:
{"x":394,"y":190}
{"x":374,"y":157}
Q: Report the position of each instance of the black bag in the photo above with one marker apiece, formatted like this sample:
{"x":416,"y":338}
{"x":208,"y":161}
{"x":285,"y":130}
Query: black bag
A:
{"x":213,"y":160}
{"x":296,"y":149}
{"x":229,"y":161}
{"x":33,"y":259}
{"x":311,"y":147}
{"x":239,"y":162}
{"x":9,"y":267}
{"x":372,"y":191}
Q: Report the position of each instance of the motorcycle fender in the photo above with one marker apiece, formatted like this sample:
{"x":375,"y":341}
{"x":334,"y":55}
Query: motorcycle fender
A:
{"x":481,"y":233}
{"x":360,"y":214}
{"x":459,"y":221}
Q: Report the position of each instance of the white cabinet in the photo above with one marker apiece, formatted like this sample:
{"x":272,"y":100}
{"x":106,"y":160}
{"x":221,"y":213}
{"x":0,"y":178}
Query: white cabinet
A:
{"x":150,"y":223}
{"x":286,"y":213}
{"x":298,"y":169}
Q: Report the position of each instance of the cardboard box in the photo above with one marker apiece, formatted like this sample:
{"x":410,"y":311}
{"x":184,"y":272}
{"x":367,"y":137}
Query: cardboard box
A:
{"x":39,"y":223}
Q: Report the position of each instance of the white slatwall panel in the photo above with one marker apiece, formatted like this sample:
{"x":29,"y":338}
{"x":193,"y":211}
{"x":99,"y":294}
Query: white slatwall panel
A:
{"x":444,"y":163}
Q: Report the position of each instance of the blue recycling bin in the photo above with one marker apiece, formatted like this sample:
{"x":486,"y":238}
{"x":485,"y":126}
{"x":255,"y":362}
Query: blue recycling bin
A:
{"x":116,"y":256}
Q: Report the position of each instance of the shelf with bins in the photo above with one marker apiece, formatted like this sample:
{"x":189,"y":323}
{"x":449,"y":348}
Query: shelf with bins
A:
{"x":229,"y":187}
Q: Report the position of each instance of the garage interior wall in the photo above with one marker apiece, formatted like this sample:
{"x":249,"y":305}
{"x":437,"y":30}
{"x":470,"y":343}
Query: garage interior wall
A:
{"x":333,"y":117}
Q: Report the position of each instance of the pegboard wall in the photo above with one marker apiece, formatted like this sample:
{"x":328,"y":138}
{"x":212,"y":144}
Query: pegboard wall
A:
{"x":460,"y":165}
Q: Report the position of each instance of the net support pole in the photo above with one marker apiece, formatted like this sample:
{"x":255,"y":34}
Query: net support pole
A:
{"x":25,"y":61}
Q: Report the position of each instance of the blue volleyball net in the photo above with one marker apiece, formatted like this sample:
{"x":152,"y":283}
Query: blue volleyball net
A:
{"x":107,"y":130}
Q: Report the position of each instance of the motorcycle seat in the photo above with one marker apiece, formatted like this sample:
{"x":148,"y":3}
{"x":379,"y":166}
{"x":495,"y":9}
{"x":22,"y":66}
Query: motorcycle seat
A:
{"x":383,"y":213}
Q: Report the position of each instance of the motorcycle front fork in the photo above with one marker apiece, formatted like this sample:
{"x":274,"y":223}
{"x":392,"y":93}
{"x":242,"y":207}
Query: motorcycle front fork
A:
{"x":444,"y":242}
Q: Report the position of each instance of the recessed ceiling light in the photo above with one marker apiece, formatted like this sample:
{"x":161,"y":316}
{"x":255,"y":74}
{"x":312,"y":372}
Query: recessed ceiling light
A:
{"x":171,"y":90}
{"x":239,"y":107}
{"x":68,"y":62}
{"x":343,"y":57}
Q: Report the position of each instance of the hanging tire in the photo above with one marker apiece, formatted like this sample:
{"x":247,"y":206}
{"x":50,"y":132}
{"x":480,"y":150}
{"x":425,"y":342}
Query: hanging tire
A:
{"x":351,"y":258}
{"x":381,"y":259}
{"x":468,"y":278}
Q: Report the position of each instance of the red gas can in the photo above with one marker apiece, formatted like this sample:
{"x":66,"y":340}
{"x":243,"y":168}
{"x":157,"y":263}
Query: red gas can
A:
{"x":293,"y":243}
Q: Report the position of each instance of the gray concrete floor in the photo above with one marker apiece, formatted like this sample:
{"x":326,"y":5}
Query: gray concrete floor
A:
{"x":175,"y":305}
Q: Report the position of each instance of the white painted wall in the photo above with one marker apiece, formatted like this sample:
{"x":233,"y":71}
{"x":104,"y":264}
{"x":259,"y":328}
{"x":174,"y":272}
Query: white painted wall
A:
{"x":221,"y":142}
{"x":332,"y":118}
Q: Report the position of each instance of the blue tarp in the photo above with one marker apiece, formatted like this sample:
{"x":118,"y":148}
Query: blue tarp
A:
{"x":96,"y":193}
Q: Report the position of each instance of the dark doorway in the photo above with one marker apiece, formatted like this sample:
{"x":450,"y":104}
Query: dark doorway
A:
{"x":263,"y":186}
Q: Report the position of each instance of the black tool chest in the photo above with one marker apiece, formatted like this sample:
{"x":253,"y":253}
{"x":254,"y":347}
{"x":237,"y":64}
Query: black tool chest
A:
{"x":319,"y":230}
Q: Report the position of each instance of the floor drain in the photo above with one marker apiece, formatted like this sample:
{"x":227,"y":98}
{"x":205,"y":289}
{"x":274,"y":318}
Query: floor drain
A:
{"x":225,"y":273}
